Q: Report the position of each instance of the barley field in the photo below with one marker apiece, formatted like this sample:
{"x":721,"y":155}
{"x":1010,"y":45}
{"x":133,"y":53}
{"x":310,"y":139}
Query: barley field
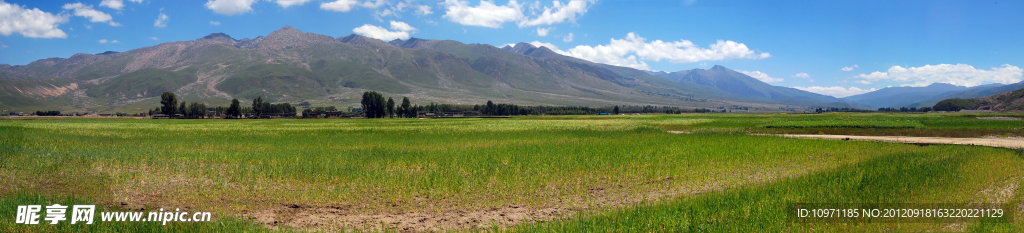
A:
{"x":716,"y":172}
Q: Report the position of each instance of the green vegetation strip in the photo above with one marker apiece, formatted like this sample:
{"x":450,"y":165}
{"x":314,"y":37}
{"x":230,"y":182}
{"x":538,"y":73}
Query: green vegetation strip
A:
{"x":238,"y":167}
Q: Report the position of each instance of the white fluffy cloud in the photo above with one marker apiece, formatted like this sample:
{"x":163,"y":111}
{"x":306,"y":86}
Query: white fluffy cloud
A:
{"x":801,"y":75}
{"x":161,"y":20}
{"x":849,"y":68}
{"x":104,"y":41}
{"x":93,"y":15}
{"x":288,"y":3}
{"x":959,"y":74}
{"x":558,"y":13}
{"x":340,"y":5}
{"x":838,"y":92}
{"x":402,"y":31}
{"x":760,"y":76}
{"x":348,"y":5}
{"x":487,"y":14}
{"x":543,"y":31}
{"x":230,"y":7}
{"x":422,"y":9}
{"x":214,"y":23}
{"x":633,"y":50}
{"x":568,"y":38}
{"x":32,"y":23}
{"x":113,"y":4}
{"x":401,"y":26}
{"x":397,"y":9}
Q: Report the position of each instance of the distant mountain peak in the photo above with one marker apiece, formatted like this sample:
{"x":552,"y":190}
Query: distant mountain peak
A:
{"x":942,"y":85}
{"x":413,"y":43}
{"x":523,"y":48}
{"x":218,"y":35}
{"x":285,"y":31}
{"x":719,"y":68}
{"x":360,"y":40}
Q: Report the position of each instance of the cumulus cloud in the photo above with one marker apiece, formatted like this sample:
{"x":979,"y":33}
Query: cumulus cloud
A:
{"x":760,"y":76}
{"x":93,"y":15}
{"x":161,"y":20}
{"x":154,"y":38}
{"x":486,"y":14}
{"x":104,"y":41}
{"x":214,"y":23}
{"x":633,"y":50}
{"x":801,"y":75}
{"x":568,"y":38}
{"x":32,"y":23}
{"x":113,"y":4}
{"x":402,"y":31}
{"x":288,"y":3}
{"x":558,"y":13}
{"x":959,"y":74}
{"x":340,"y":5}
{"x":401,"y":26}
{"x":422,"y":10}
{"x":348,"y":5}
{"x":543,"y":31}
{"x":849,"y":68}
{"x":397,"y":9}
{"x":230,"y":7}
{"x":838,"y":92}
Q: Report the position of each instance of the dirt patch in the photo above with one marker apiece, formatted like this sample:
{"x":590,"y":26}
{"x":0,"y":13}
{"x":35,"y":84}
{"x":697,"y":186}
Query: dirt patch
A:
{"x":348,"y":217}
{"x":991,"y":142}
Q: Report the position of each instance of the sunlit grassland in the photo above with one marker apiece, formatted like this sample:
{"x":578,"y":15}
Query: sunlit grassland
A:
{"x":626,"y":169}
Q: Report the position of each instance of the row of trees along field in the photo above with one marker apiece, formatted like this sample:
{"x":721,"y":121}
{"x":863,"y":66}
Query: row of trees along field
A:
{"x":492,"y":109}
{"x":905,"y":109}
{"x":169,"y":106}
{"x":374,"y":106}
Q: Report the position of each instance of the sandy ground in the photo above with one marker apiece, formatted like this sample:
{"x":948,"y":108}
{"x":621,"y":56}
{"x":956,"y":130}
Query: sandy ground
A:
{"x":992,"y":142}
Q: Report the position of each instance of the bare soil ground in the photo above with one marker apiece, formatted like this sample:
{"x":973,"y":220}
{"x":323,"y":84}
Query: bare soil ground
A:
{"x":992,"y":142}
{"x":347,"y":218}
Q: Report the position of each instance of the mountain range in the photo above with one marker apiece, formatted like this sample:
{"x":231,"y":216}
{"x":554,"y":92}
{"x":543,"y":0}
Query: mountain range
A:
{"x":292,"y":66}
{"x":927,"y":96}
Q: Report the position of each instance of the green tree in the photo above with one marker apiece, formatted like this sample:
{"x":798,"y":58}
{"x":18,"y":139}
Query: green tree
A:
{"x":182,"y":108}
{"x":616,"y":110}
{"x":235,"y":109}
{"x":489,"y":110}
{"x":257,"y":107}
{"x":169,"y":102}
{"x":406,"y":105}
{"x":391,"y":107}
{"x":374,"y":105}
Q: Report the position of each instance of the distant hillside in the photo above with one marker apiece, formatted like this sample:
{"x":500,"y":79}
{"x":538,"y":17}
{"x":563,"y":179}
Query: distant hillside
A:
{"x":974,"y":92}
{"x":902,"y":96}
{"x":289,"y":65}
{"x":1012,"y":101}
{"x":736,"y":83}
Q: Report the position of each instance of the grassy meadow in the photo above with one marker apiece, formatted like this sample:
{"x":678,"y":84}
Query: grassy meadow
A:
{"x":569,"y":173}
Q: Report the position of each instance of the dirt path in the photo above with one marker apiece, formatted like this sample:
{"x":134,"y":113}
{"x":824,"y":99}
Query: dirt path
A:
{"x":992,"y":142}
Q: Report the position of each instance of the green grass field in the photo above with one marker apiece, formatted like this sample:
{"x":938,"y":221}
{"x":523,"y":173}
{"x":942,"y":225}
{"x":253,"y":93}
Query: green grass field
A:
{"x":541,"y":173}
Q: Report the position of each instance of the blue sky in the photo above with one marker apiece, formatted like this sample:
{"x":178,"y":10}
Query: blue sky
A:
{"x":837,"y":48}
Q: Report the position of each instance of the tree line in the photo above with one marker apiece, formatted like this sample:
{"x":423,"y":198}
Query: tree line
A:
{"x":169,"y":106}
{"x":375,"y":106}
{"x":905,"y":109}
